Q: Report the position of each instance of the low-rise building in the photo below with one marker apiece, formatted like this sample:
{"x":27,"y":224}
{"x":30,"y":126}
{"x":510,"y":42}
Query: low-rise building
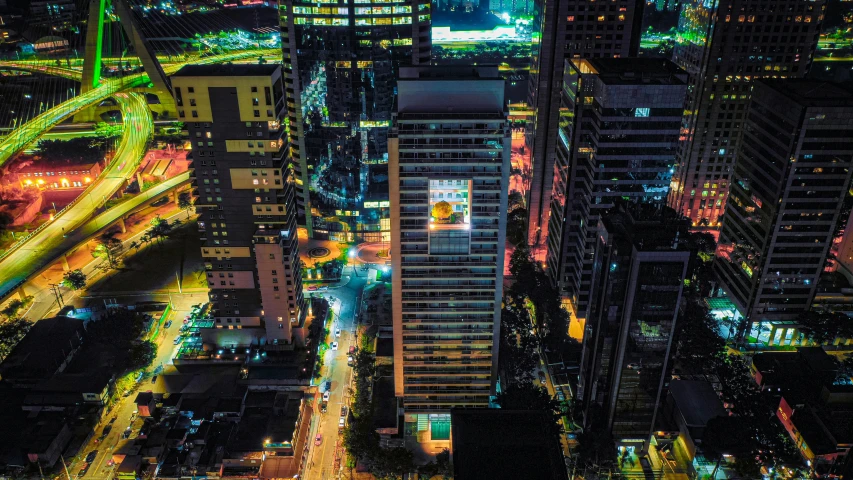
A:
{"x":45,"y":351}
{"x":46,"y":175}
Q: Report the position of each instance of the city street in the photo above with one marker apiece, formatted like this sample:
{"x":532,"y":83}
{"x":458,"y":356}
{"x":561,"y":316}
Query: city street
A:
{"x":324,"y":460}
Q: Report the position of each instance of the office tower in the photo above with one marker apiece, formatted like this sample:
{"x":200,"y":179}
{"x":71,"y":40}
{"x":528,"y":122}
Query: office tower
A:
{"x":245,"y":197}
{"x":341,"y":60}
{"x":618,"y":139}
{"x":724,"y":45}
{"x":569,"y":29}
{"x":791,"y":176}
{"x":449,"y":166}
{"x":640,"y":270}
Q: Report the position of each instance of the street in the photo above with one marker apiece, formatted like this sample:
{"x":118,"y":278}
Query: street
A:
{"x":325,"y":460}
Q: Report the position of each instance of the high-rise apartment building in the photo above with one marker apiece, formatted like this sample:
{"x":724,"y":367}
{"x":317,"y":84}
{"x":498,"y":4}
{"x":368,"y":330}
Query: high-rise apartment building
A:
{"x":569,"y":29}
{"x":618,"y":139}
{"x":449,"y":166}
{"x":791,"y":176}
{"x":341,"y":62}
{"x":725,"y":45}
{"x":245,"y":196}
{"x":640,"y":270}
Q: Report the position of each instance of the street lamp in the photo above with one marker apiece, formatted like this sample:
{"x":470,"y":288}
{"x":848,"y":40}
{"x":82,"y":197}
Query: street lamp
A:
{"x":351,"y":254}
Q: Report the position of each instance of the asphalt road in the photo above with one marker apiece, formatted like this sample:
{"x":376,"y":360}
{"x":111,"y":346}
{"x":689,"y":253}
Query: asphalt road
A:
{"x":345,"y":299}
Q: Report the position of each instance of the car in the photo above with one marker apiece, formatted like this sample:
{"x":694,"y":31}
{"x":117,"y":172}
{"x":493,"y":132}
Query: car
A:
{"x":323,"y":407}
{"x":126,"y":434}
{"x":343,"y":410}
{"x":83,"y":470}
{"x":327,"y":385}
{"x":318,"y":439}
{"x":349,"y":360}
{"x":633,"y":366}
{"x":168,"y":324}
{"x":541,"y":376}
{"x":312,"y":288}
{"x":154,"y":379}
{"x":178,"y":340}
{"x":323,"y":288}
{"x":342,"y":422}
{"x":337,"y":332}
{"x":106,"y":431}
{"x":334,"y":345}
{"x":91,"y":456}
{"x":326,"y":396}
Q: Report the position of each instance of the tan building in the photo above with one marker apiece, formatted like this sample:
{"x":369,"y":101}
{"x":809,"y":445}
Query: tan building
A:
{"x":244,"y":192}
{"x":450,"y":142}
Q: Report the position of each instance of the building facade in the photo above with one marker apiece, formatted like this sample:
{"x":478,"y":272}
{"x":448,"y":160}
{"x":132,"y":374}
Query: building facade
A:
{"x":449,"y":167}
{"x":569,"y":29}
{"x":640,"y":271}
{"x":724,"y":45}
{"x":791,"y":177}
{"x":617,"y":139}
{"x":341,"y":62}
{"x":244,"y":194}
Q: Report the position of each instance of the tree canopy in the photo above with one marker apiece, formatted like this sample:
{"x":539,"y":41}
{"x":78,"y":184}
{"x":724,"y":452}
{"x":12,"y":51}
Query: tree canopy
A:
{"x":442,"y":210}
{"x":74,"y":279}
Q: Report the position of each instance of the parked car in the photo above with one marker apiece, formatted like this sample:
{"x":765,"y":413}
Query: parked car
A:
{"x":342,"y":422}
{"x":334,"y":345}
{"x":168,"y":324}
{"x":541,"y":376}
{"x":323,"y":407}
{"x":106,"y":431}
{"x":83,"y":470}
{"x":91,"y":456}
{"x":312,"y":288}
{"x":178,"y":340}
{"x":327,"y":385}
{"x":154,"y":379}
{"x":318,"y":439}
{"x":343,"y":410}
{"x":337,"y":332}
{"x":326,"y":396}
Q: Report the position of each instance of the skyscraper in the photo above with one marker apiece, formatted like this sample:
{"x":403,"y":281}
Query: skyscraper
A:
{"x":341,"y":61}
{"x":640,"y":269}
{"x":618,"y":139}
{"x":449,"y":166}
{"x":791,"y":176}
{"x":569,"y":29}
{"x":245,"y":197}
{"x":724,"y":45}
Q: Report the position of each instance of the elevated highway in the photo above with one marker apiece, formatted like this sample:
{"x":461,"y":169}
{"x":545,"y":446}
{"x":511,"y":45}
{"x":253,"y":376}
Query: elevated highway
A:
{"x":50,"y":245}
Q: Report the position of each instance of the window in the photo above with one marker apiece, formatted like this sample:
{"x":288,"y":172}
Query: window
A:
{"x":642,"y":112}
{"x":257,"y":113}
{"x":195,"y":114}
{"x":191,"y":89}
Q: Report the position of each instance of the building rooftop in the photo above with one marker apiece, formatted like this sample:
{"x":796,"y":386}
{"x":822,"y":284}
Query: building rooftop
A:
{"x":450,"y":72}
{"x":225,"y":70}
{"x":44,"y":349}
{"x":504,"y":444}
{"x":697,"y":401}
{"x":646,"y":227}
{"x":812,"y":93}
{"x":633,"y":71}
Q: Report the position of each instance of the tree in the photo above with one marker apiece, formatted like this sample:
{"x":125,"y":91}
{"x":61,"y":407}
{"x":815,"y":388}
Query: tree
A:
{"x":515,"y":202}
{"x":142,"y":355}
{"x":11,"y":310}
{"x":442,"y":210}
{"x":394,"y":463}
{"x":729,"y":435}
{"x":75,"y":279}
{"x":531,"y":397}
{"x":135,"y":246}
{"x":823,"y":327}
{"x":516,"y":226}
{"x":185,"y":202}
{"x":441,"y":466}
{"x":109,"y":248}
{"x":698,"y":345}
{"x":118,"y":327}
{"x":595,"y":444}
{"x":11,"y":332}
